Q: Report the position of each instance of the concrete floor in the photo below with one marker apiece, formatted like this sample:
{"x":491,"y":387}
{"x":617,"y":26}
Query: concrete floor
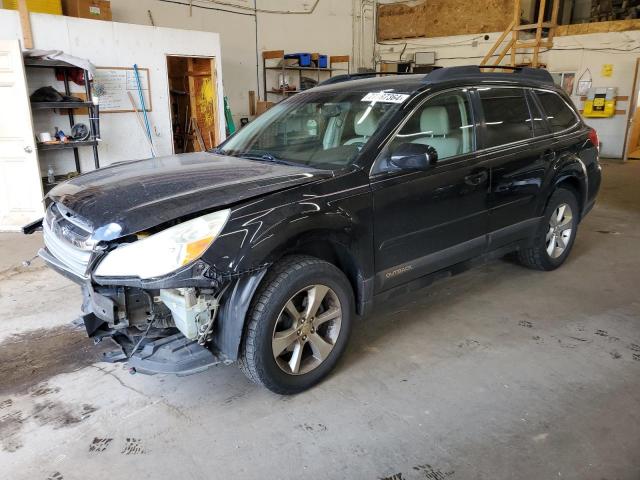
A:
{"x":500,"y":372}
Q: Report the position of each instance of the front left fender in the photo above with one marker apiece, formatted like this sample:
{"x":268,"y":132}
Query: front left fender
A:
{"x":233,"y":312}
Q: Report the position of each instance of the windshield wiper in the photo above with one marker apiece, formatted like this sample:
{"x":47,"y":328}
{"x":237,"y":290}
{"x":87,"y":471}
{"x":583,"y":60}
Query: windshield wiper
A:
{"x":269,"y":157}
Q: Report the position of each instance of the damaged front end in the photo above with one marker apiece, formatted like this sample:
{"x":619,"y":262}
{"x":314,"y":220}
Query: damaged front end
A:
{"x":162,"y":323}
{"x":158,"y":331}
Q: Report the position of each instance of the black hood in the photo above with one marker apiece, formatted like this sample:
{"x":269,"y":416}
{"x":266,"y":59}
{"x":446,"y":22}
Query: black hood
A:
{"x":132,"y":196}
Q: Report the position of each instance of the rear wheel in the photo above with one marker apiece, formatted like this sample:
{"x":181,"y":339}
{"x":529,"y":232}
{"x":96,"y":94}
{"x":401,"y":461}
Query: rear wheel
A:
{"x":298,"y":325}
{"x":556,"y":234}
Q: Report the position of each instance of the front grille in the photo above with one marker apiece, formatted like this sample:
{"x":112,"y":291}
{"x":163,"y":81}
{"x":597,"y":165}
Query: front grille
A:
{"x":69,"y":241}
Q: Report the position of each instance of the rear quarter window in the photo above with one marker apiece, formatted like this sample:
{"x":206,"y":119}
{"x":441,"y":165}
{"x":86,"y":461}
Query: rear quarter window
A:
{"x":559,"y":115}
{"x":506,"y":114}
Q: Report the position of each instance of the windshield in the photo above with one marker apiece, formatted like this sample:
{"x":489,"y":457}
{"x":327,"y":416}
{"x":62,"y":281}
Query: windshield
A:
{"x":318,"y":129}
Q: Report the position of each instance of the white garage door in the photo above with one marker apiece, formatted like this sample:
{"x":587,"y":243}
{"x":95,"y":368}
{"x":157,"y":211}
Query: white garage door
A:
{"x":20,"y":185}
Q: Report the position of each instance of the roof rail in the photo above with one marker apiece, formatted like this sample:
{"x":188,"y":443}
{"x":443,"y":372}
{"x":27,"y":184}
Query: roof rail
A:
{"x":453,"y":73}
{"x":355,"y":76}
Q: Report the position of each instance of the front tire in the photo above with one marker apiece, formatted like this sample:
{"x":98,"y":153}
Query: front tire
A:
{"x":298,"y":325}
{"x":556,"y":234}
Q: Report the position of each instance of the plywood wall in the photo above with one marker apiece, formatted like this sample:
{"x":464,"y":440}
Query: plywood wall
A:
{"x":440,"y":18}
{"x":598,"y":27}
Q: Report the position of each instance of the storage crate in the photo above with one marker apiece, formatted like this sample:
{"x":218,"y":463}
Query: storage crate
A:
{"x":304,"y":59}
{"x":53,"y":7}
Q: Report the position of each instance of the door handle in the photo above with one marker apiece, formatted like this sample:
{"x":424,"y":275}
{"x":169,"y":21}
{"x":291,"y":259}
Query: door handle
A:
{"x":476,"y":179}
{"x":28,"y":149}
{"x":549,"y":155}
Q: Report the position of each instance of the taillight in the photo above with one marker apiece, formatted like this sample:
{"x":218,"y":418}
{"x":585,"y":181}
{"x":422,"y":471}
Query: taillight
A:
{"x":593,"y":138}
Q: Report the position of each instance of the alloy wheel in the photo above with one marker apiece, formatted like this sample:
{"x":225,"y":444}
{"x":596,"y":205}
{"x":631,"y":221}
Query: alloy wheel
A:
{"x":560,"y":230}
{"x":307,"y":329}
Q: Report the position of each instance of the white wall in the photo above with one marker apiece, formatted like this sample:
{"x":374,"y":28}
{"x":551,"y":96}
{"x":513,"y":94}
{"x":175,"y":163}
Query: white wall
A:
{"x":327,"y":30}
{"x":570,"y":54}
{"x":577,"y":54}
{"x":115,"y":44}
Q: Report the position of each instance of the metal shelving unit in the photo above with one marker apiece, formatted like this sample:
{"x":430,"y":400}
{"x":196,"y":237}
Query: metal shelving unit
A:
{"x":94,"y":111}
{"x":278,"y":55}
{"x":63,"y":146}
{"x":47,"y":105}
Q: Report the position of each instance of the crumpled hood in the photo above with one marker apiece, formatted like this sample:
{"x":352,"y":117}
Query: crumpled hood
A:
{"x":132,"y":196}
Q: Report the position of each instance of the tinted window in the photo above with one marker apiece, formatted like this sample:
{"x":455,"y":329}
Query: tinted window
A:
{"x":506,"y":115}
{"x":559,"y":115}
{"x":443,"y":122}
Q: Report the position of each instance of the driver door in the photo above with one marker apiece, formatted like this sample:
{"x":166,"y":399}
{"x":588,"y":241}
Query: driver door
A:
{"x":425,"y":221}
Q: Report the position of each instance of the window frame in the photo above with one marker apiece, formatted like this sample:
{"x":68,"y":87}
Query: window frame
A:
{"x":482,"y":123}
{"x":376,"y":168}
{"x":571,"y":107}
{"x":535,"y":105}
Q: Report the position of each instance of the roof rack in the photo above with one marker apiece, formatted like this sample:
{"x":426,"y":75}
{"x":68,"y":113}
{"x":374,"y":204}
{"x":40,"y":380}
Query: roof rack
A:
{"x":453,"y":73}
{"x":356,"y":76}
{"x":444,"y":74}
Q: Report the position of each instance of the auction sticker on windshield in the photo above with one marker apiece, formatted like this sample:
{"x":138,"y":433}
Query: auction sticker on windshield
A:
{"x":385,"y":97}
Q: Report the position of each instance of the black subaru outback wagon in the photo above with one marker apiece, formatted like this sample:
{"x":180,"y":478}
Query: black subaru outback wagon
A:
{"x":264,"y":250}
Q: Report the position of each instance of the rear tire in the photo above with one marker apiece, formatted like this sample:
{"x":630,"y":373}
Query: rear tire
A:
{"x":297,"y":326}
{"x":557,"y":232}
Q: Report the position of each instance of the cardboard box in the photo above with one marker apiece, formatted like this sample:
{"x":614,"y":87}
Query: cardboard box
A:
{"x":96,"y":9}
{"x":263,"y":107}
{"x":37,"y":6}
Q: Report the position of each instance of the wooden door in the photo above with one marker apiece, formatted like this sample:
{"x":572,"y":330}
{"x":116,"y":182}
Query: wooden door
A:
{"x":633,"y":145}
{"x":20,"y":182}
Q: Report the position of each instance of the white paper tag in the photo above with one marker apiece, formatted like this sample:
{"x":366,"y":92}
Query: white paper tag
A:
{"x":385,"y":97}
{"x":93,"y":10}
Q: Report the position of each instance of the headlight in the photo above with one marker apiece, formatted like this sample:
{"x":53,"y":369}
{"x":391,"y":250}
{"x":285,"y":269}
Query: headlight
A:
{"x":164,"y":251}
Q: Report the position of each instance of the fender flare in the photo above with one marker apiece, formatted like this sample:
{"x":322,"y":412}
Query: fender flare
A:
{"x":573,"y":171}
{"x":233,"y":313}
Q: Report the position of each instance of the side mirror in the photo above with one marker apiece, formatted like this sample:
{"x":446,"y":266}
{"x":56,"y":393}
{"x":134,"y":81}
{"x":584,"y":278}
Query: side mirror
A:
{"x":413,"y":156}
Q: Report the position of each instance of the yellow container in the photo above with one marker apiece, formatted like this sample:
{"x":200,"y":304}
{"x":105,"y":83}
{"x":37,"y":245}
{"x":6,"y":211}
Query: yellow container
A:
{"x":37,"y":6}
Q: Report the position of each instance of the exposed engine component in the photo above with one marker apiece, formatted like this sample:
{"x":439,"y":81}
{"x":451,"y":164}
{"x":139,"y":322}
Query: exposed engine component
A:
{"x":192,"y":314}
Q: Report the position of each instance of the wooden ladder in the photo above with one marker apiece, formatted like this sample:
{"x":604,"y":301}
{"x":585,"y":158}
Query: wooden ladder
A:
{"x":515,"y":43}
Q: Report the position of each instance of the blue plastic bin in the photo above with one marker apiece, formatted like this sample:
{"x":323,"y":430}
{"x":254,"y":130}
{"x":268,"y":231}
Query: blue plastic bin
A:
{"x":304,"y":59}
{"x":322,"y":61}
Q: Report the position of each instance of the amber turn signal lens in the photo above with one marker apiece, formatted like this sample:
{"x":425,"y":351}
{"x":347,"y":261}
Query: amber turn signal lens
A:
{"x":195,"y":249}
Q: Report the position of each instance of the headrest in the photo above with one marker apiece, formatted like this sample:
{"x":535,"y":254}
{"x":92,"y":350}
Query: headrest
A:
{"x":435,"y":121}
{"x":365,"y":123}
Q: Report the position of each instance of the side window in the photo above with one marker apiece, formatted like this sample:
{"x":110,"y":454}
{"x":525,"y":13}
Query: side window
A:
{"x":443,"y":122}
{"x":559,"y":114}
{"x":506,"y":115}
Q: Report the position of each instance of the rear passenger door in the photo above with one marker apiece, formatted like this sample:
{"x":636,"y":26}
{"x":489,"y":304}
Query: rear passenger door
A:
{"x":519,"y":150}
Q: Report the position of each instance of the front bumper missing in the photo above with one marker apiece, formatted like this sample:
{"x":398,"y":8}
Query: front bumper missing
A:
{"x":174,"y":354}
{"x":116,"y":309}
